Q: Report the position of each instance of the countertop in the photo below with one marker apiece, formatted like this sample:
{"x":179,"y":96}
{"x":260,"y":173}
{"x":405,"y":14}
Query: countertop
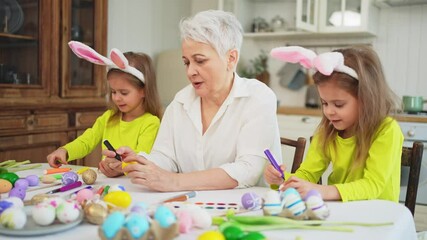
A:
{"x":318,"y":112}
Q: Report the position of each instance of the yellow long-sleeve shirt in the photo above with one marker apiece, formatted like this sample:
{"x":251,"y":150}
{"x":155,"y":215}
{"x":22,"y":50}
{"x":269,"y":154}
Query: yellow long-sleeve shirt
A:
{"x":378,"y":178}
{"x":139,"y":135}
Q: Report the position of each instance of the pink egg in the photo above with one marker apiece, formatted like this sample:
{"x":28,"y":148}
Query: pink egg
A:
{"x":43,"y":214}
{"x":84,"y":194}
{"x":185,"y":221}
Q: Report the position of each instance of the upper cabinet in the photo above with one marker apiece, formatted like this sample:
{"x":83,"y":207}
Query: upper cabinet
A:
{"x":296,"y":19}
{"x":35,"y":60}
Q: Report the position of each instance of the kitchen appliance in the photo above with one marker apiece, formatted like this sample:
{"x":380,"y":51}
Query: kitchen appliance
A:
{"x":413,"y":104}
{"x":415,"y":132}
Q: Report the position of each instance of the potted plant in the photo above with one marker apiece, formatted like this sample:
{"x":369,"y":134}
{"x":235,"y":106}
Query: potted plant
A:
{"x":257,"y":69}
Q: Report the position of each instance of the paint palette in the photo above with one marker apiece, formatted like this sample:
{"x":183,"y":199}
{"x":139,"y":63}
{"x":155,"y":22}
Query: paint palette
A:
{"x":214,"y":208}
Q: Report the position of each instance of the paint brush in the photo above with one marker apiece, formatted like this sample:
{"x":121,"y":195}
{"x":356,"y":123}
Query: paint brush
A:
{"x":66,"y":187}
{"x":181,"y":197}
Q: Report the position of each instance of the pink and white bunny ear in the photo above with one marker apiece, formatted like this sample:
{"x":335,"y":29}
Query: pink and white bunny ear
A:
{"x":294,"y":54}
{"x":85,"y":52}
{"x":328,"y":62}
{"x":122,"y":63}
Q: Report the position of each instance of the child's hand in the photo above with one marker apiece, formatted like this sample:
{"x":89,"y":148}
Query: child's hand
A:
{"x":110,"y":166}
{"x":302,"y":186}
{"x":57,"y":158}
{"x":272,"y":176}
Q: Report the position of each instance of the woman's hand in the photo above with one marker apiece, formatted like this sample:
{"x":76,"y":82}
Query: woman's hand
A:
{"x":110,"y":166}
{"x":57,"y":158}
{"x":272,"y":176}
{"x":146,"y":173}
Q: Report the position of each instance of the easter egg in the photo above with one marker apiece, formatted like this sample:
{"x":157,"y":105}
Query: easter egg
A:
{"x":185,"y":221}
{"x":17,"y":192}
{"x":13,"y":218}
{"x":200,"y":216}
{"x":233,"y":233}
{"x":68,"y":211}
{"x":5,"y":186}
{"x":272,"y":204}
{"x":116,"y":187}
{"x":43,"y":214}
{"x":253,"y":236}
{"x":9,"y":176}
{"x":16,"y":201}
{"x":136,"y":225}
{"x":95,"y":213}
{"x":119,"y":199}
{"x":69,"y":178}
{"x":211,"y":235}
{"x":22,"y":183}
{"x":84,"y":195}
{"x":54,"y":201}
{"x":315,"y":203}
{"x":5,"y":205}
{"x":164,"y":216}
{"x":89,"y":176}
{"x":112,"y":224}
{"x":33,"y":180}
{"x":47,"y":179}
{"x":251,"y":201}
{"x":140,"y":208}
{"x":292,"y":201}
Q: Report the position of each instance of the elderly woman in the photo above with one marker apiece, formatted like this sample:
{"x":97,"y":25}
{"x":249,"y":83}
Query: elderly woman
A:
{"x":214,"y":133}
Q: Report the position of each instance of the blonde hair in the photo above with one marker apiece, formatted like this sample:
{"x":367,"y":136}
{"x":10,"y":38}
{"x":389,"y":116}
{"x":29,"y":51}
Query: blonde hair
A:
{"x":375,"y":99}
{"x":144,"y":64}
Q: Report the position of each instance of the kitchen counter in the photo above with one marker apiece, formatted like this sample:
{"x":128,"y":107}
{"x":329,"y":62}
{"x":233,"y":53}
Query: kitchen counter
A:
{"x":318,"y":112}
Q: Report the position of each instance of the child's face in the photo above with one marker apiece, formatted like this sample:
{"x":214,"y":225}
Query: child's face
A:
{"x":339,"y":106}
{"x":126,"y":96}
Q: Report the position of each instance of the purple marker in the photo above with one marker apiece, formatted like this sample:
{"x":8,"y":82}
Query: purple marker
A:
{"x":273,"y":162}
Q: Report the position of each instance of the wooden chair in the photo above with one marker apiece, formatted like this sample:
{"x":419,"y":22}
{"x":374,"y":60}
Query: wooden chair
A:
{"x":299,"y":145}
{"x":412,"y":157}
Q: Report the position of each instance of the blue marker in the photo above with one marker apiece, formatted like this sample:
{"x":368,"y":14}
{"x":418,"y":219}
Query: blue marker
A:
{"x":273,"y":162}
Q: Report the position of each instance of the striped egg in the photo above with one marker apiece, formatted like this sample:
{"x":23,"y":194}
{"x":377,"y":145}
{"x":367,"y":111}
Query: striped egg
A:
{"x":315,"y":203}
{"x":272,"y":204}
{"x":291,"y":200}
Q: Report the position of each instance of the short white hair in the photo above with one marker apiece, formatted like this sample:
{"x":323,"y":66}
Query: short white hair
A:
{"x":217,"y":28}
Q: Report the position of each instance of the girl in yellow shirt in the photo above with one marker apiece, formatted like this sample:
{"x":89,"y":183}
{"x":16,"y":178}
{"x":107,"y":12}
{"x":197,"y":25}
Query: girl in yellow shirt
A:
{"x":135,"y":110}
{"x":356,"y":135}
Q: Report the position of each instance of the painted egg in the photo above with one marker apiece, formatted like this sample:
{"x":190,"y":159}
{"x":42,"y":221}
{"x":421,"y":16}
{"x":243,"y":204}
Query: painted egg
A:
{"x":67,"y":211}
{"x":140,"y":208}
{"x":69,"y":178}
{"x":17,"y":192}
{"x":272,"y":204}
{"x":54,"y":201}
{"x":13,"y":218}
{"x":47,"y":179}
{"x":43,"y":214}
{"x":185,"y":222}
{"x":33,"y":180}
{"x":84,"y":195}
{"x":5,"y":205}
{"x":201,"y":217}
{"x":89,"y":176}
{"x":253,"y":236}
{"x":251,"y":201}
{"x":95,"y":213}
{"x":119,"y":199}
{"x":9,"y":176}
{"x":116,"y":187}
{"x":315,"y":203}
{"x":5,"y":186}
{"x":22,"y":183}
{"x":16,"y":201}
{"x":136,"y":225}
{"x":211,"y":235}
{"x":164,"y":216}
{"x":112,"y":224}
{"x":41,"y":197}
{"x":233,"y":233}
{"x":292,"y":201}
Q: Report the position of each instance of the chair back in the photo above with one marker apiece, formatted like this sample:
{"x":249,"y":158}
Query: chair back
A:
{"x":299,"y":145}
{"x":412,"y":157}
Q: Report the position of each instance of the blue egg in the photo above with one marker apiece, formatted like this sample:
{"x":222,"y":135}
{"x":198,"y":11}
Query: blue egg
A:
{"x":164,"y":216}
{"x":112,"y":224}
{"x":291,"y":200}
{"x":137,"y":225}
{"x":5,"y":205}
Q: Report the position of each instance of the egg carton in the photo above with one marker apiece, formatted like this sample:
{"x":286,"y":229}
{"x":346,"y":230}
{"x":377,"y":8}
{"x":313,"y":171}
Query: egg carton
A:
{"x":155,"y":232}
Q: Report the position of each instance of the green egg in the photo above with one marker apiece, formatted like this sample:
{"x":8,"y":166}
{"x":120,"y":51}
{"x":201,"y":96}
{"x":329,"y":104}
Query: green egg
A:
{"x":233,"y":233}
{"x":253,"y":236}
{"x":3,"y":170}
{"x":9,"y":176}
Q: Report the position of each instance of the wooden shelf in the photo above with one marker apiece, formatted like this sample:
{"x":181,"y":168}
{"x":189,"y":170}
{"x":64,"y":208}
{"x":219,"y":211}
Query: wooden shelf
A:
{"x":16,"y":36}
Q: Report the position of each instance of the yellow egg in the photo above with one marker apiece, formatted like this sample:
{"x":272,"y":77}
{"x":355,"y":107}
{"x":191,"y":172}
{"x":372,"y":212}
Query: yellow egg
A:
{"x":119,"y":199}
{"x":124,"y":164}
{"x":5,"y":186}
{"x":211,"y":235}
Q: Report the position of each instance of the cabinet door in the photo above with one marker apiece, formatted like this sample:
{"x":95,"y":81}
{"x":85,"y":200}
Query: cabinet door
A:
{"x":307,"y":15}
{"x":27,"y":56}
{"x":83,"y":21}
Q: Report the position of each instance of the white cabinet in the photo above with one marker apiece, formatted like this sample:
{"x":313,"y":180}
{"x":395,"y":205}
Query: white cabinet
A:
{"x":337,"y":16}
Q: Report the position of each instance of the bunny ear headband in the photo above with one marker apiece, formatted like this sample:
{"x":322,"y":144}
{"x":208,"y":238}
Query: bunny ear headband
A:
{"x":325,"y":63}
{"x":116,"y":61}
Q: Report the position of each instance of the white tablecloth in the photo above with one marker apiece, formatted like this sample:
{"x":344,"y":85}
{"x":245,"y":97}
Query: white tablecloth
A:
{"x":374,"y":211}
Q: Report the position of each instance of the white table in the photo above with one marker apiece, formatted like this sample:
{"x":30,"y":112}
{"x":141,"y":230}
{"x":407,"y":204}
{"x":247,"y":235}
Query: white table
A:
{"x":374,"y":211}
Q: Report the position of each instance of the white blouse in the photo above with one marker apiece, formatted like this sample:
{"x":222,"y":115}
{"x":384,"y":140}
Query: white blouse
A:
{"x":244,"y":126}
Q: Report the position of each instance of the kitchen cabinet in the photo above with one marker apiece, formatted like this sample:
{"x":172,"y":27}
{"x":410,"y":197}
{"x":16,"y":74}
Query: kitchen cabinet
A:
{"x":48,"y":95}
